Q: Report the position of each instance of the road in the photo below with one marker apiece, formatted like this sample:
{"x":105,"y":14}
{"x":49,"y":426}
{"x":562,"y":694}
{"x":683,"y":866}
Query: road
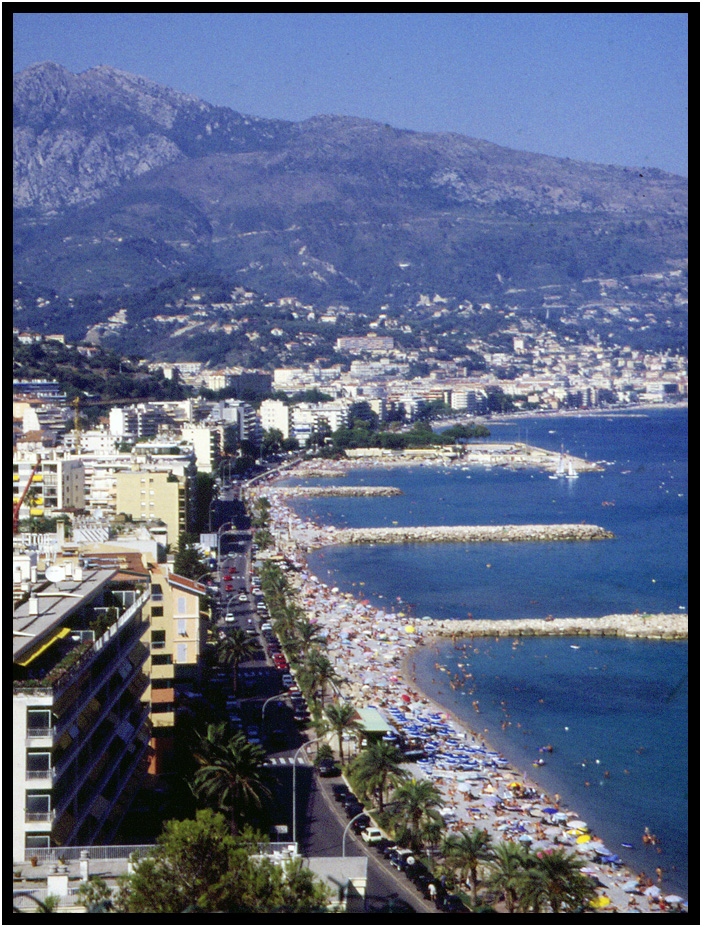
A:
{"x":321,"y":822}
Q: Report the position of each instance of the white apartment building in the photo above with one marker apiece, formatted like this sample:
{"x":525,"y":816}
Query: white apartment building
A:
{"x":276,"y":414}
{"x":57,"y":484}
{"x":207,"y":442}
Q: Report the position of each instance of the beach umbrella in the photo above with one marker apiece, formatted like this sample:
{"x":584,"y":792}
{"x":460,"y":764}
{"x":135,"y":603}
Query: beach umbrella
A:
{"x":600,"y":902}
{"x":652,"y":891}
{"x":674,"y":899}
{"x":409,"y":628}
{"x":549,"y":810}
{"x":578,"y":825}
{"x":583,"y":838}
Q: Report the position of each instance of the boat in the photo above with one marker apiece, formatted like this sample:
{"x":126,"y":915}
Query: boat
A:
{"x":572,"y":473}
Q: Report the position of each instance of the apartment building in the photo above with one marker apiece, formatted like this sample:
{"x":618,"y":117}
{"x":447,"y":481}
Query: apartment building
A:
{"x":177,"y":638}
{"x":57,"y":484}
{"x":79,"y":716}
{"x":207,"y":443}
{"x":148,"y":494}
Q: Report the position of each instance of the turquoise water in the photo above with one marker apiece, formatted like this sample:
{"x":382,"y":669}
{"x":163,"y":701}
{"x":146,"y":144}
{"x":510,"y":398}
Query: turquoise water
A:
{"x":636,"y":687}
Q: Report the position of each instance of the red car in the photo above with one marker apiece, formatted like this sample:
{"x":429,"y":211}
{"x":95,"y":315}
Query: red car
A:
{"x":228,"y":587}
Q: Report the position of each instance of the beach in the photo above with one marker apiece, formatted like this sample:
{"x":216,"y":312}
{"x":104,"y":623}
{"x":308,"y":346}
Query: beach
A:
{"x":372,"y":649}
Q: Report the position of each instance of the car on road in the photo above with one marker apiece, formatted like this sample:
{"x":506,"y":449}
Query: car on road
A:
{"x":401,"y":859}
{"x":229,"y":617}
{"x":287,"y":680}
{"x":328,"y":769}
{"x":361,"y":823}
{"x":228,"y":587}
{"x":243,"y":597}
{"x":253,"y":734}
{"x":372,"y":835}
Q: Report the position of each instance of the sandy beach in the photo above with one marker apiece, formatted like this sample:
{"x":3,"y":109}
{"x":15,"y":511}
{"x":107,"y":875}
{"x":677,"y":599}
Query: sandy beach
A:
{"x":372,"y":650}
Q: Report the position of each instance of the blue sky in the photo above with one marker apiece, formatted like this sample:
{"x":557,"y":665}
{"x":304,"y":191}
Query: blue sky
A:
{"x":604,"y":87}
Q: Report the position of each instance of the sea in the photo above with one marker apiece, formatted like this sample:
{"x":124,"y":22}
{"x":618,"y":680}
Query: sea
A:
{"x":615,"y":712}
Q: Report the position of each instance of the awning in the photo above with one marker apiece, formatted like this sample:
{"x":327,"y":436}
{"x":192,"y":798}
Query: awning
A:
{"x":62,"y":632}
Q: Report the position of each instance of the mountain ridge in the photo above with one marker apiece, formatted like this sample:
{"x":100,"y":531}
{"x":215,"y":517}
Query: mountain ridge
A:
{"x":121,"y":184}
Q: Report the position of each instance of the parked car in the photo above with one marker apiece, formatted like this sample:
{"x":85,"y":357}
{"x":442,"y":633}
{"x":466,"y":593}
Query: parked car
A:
{"x":340,"y":790}
{"x":287,"y":680}
{"x":353,"y":809}
{"x":401,"y":859}
{"x":372,"y":835}
{"x":328,"y":769}
{"x":360,"y":824}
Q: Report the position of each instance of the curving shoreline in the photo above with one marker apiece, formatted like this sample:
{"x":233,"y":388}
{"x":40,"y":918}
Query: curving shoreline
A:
{"x":376,"y":649}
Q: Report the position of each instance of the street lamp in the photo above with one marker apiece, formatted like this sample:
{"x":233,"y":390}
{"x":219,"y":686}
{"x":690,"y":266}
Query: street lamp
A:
{"x":308,"y":743}
{"x":346,"y":830}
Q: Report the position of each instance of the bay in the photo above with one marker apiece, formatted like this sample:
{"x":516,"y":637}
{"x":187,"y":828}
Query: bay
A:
{"x":645,"y":487}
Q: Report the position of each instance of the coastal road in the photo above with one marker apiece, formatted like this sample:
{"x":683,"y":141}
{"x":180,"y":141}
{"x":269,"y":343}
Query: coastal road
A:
{"x":321,"y":825}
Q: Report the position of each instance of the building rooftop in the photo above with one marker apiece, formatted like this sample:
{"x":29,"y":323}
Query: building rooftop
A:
{"x":51,"y":605}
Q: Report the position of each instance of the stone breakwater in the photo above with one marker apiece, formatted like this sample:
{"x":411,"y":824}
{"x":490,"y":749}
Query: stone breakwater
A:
{"x":470,"y":534}
{"x":661,"y":626}
{"x":315,"y":491}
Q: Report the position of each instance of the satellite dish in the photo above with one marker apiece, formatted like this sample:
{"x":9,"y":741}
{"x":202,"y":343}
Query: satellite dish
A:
{"x":55,"y":573}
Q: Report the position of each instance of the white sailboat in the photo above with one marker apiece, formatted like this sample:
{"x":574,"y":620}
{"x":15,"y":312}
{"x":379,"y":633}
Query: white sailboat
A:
{"x":572,"y":473}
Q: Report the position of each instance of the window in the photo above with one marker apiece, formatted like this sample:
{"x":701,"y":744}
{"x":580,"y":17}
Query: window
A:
{"x":181,"y":653}
{"x":38,"y":719}
{"x":157,"y":611}
{"x":158,"y":640}
{"x":182,"y":605}
{"x":161,"y":659}
{"x":182,"y":627}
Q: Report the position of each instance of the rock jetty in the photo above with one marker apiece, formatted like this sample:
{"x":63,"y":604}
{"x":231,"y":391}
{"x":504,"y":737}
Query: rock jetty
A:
{"x":662,"y":627}
{"x":313,"y":491}
{"x":470,"y":534}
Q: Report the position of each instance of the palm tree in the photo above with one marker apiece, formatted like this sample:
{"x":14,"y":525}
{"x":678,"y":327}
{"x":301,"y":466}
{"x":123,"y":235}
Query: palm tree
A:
{"x":319,"y":673}
{"x":377,"y":768}
{"x":554,"y":876}
{"x":507,"y":871}
{"x":415,"y":803}
{"x":466,"y":851}
{"x":234,"y":649}
{"x":231,"y":775}
{"x":308,"y":634}
{"x":341,"y":717}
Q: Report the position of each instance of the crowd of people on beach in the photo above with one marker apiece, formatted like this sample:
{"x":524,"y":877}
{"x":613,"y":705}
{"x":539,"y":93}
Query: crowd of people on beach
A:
{"x":372,"y":649}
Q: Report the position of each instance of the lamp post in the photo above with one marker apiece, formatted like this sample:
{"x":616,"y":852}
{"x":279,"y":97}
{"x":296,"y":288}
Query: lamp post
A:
{"x":346,"y":830}
{"x":308,"y":743}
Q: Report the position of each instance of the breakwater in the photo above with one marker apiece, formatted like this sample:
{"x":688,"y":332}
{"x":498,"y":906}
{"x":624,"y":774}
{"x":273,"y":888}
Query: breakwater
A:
{"x":469,"y":534}
{"x":315,"y":491}
{"x":661,"y":627}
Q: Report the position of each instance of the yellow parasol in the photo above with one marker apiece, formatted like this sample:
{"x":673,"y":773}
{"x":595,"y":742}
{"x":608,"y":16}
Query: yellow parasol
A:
{"x":583,"y":838}
{"x":600,"y":902}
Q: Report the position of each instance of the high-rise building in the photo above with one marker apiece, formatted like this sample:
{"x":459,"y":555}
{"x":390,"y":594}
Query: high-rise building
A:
{"x":80,"y":731}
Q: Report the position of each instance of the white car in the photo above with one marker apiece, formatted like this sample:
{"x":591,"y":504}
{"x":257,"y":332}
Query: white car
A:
{"x":372,"y":835}
{"x":243,"y":597}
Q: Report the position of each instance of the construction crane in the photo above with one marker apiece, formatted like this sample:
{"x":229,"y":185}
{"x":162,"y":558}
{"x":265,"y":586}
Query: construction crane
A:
{"x":18,"y":505}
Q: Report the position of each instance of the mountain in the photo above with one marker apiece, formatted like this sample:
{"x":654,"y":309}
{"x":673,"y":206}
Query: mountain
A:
{"x":132,"y":196}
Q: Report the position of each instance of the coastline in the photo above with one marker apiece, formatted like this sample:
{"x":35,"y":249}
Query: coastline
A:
{"x":353,"y":628}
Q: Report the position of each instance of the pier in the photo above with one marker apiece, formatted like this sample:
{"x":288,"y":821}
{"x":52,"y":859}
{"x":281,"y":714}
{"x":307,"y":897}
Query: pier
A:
{"x":657,"y":627}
